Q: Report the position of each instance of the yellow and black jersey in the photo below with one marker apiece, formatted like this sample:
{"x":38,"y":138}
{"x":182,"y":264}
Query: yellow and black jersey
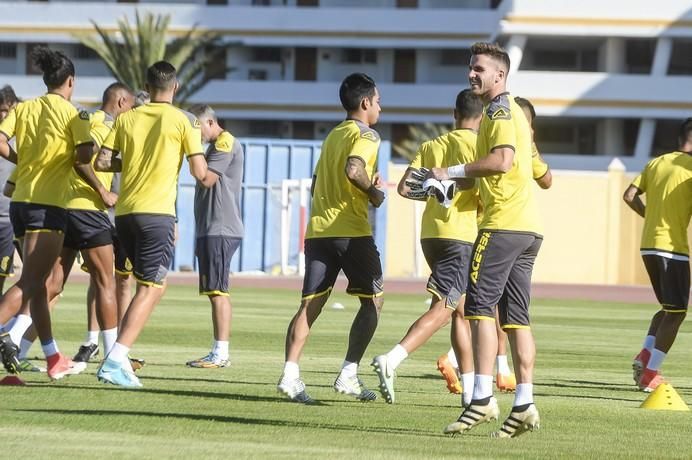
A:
{"x":48,"y":130}
{"x":508,"y":199}
{"x":152,"y":140}
{"x":539,"y":167}
{"x":82,"y":196}
{"x":458,"y":222}
{"x":667,"y":183}
{"x":340,"y":209}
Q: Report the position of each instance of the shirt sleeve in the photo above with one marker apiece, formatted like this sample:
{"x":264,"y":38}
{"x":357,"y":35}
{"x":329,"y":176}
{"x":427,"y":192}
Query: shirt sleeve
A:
{"x":221,"y":155}
{"x":9,"y":124}
{"x":80,"y":128}
{"x":540,"y":167}
{"x":640,"y":181}
{"x":418,"y":159}
{"x":112,"y":140}
{"x":501,"y":133}
{"x":192,"y":137}
{"x":366,"y":149}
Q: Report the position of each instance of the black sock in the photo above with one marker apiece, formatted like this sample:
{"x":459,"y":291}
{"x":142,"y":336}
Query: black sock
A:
{"x":521,"y":408}
{"x":481,"y":402}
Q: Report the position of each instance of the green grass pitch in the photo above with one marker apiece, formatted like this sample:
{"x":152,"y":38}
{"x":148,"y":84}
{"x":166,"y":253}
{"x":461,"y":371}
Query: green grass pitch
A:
{"x":584,"y":390}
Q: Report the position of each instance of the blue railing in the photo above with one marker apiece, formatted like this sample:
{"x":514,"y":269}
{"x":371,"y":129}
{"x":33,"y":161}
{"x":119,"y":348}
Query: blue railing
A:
{"x":267,"y":163}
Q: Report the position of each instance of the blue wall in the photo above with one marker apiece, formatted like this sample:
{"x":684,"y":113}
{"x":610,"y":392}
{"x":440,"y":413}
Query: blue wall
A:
{"x":267,"y":163}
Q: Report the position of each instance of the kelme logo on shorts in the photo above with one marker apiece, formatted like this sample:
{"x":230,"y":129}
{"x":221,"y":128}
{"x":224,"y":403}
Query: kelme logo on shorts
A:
{"x":478,"y":256}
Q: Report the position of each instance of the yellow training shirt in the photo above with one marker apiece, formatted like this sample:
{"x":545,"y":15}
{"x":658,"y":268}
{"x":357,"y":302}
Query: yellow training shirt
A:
{"x":538,"y":166}
{"x":82,"y":196}
{"x":508,"y":199}
{"x":667,"y":182}
{"x":339,"y":208}
{"x":48,"y":129}
{"x":152,"y":140}
{"x":458,"y":222}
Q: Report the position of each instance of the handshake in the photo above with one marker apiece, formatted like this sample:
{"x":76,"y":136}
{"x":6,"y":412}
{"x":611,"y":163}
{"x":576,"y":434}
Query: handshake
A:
{"x":421,"y":185}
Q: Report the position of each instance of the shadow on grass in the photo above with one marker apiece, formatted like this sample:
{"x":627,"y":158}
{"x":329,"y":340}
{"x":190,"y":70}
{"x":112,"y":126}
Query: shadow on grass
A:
{"x":238,"y":420}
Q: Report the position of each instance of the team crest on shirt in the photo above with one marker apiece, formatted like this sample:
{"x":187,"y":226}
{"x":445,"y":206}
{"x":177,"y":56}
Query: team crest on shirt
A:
{"x":222,"y":145}
{"x":195,"y":123}
{"x":498,"y":109}
{"x":369,"y":135}
{"x":84,"y":115}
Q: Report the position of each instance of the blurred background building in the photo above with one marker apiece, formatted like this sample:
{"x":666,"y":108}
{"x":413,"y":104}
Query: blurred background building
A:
{"x":608,"y":78}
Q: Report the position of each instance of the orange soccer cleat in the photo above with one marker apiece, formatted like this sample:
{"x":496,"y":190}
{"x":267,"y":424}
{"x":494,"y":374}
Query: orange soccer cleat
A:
{"x":506,"y":383}
{"x":450,"y":374}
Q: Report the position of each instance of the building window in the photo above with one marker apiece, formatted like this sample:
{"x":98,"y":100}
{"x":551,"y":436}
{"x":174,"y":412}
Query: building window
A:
{"x":576,"y":136}
{"x":84,"y":52}
{"x":264,"y":128}
{"x":455,"y":57}
{"x":266,"y":54}
{"x":639,"y":55}
{"x":8,"y":50}
{"x":665,"y":137}
{"x":680,"y":62}
{"x":217,"y":2}
{"x":359,"y":56}
{"x":261,"y":2}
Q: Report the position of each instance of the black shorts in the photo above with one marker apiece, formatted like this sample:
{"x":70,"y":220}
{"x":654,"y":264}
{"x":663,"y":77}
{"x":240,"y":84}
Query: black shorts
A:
{"x":30,"y":218}
{"x":449,"y":262}
{"x":357,"y":257}
{"x":87,"y":229}
{"x":670,"y":279}
{"x":214,"y":254}
{"x":500,"y":275}
{"x":148,"y":241}
{"x":6,"y":249}
{"x":123,"y":266}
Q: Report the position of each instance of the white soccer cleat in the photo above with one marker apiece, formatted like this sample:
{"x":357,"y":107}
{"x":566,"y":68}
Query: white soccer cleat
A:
{"x":295,"y":390}
{"x":353,"y":386}
{"x":386,"y":376}
{"x":519,"y":423}
{"x":474,"y":415}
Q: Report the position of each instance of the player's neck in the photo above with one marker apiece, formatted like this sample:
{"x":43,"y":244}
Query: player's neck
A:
{"x":493,"y":93}
{"x":466,"y":124}
{"x":358,"y":116}
{"x":61,"y":91}
{"x":215,"y":135}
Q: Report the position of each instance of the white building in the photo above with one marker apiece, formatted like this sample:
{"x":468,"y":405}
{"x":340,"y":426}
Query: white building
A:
{"x":607,"y":78}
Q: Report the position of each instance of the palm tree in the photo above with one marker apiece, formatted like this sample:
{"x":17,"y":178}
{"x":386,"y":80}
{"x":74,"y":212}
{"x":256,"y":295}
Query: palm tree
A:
{"x":129,"y":52}
{"x":417,"y":135}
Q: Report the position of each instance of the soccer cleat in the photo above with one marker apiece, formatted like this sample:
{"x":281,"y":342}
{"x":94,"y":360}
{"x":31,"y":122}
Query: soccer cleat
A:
{"x":9,"y":353}
{"x":519,"y":423}
{"x":650,"y":380}
{"x":506,"y":383}
{"x":113,"y":372}
{"x":27,"y":366}
{"x":474,"y":415}
{"x":450,"y":374}
{"x":86,"y":353}
{"x":386,"y":376}
{"x":639,"y":363}
{"x":353,"y":386}
{"x":136,"y":363}
{"x":295,"y":390}
{"x":211,"y":361}
{"x":59,"y":366}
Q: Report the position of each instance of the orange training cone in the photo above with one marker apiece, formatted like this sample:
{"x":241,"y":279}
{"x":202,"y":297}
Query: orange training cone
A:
{"x":664,"y":397}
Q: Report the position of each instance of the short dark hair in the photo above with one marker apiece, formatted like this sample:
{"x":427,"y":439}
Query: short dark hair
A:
{"x":493,"y":50}
{"x":161,"y":75}
{"x":468,"y":105}
{"x":113,"y":90}
{"x":685,"y":133}
{"x":7,"y":96}
{"x":526,"y":104}
{"x":55,"y":66}
{"x":202,"y":111}
{"x":354,"y":89}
